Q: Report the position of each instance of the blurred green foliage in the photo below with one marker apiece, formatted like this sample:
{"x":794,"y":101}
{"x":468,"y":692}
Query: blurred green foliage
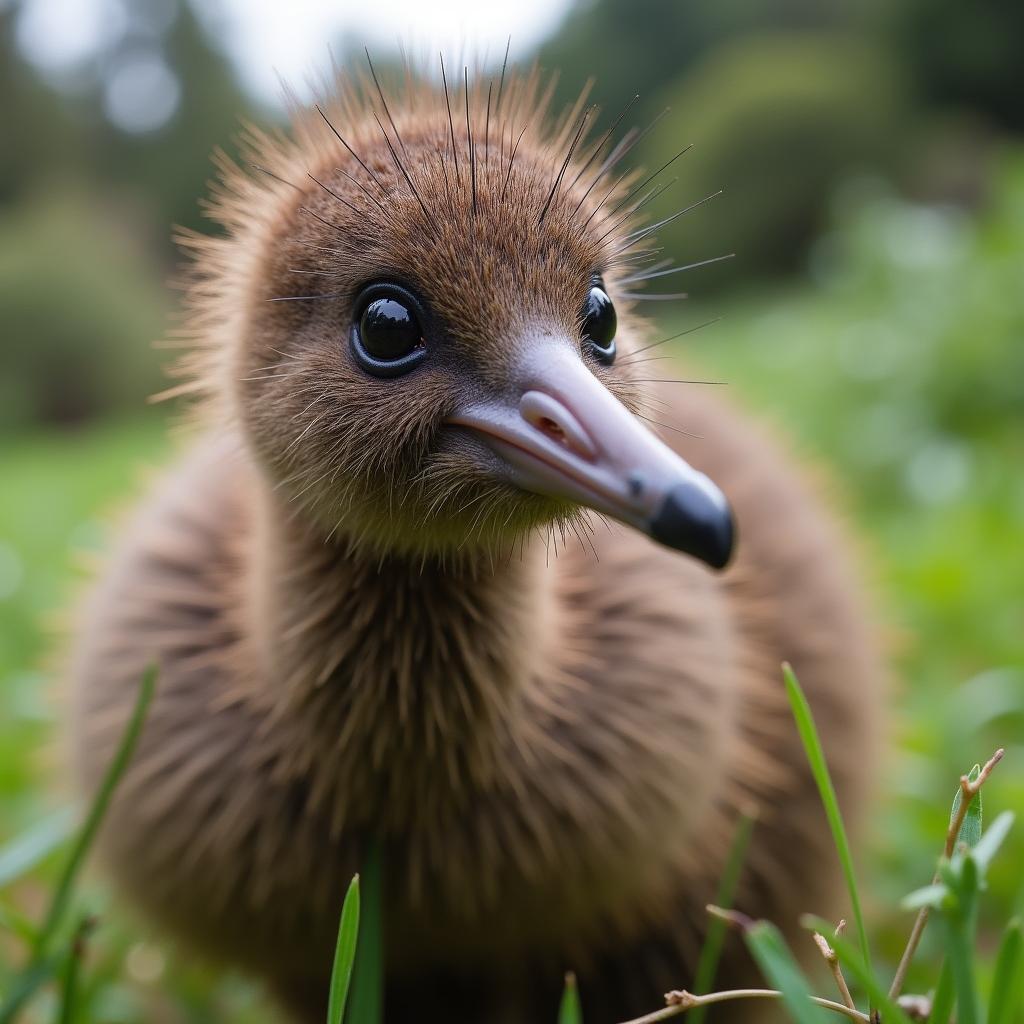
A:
{"x":902,"y":372}
{"x":774,"y":120}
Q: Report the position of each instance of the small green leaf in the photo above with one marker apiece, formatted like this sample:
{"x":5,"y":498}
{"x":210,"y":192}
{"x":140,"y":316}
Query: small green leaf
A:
{"x":988,"y":845}
{"x":1006,"y":1004}
{"x":970,"y":830}
{"x":777,"y":964}
{"x":711,"y":951}
{"x":927,"y":896}
{"x":344,"y":954}
{"x":569,"y":1011}
{"x":819,"y":768}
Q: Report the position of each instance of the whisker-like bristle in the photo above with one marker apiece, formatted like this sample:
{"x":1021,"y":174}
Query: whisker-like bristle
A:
{"x":641,"y":233}
{"x":501,"y":81}
{"x":602,"y":142}
{"x":637,"y":207}
{"x":565,"y":164}
{"x":487,"y":127}
{"x":276,"y":177}
{"x":451,"y":123}
{"x":380,"y":93}
{"x":304,"y":298}
{"x":631,"y":357}
{"x":511,"y":161}
{"x":330,"y":191}
{"x":650,"y":275}
{"x":355,"y":156}
{"x":404,"y":173}
{"x":469,"y":142}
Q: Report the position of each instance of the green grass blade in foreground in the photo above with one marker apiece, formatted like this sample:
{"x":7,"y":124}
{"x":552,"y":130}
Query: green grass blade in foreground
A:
{"x":819,"y":769}
{"x":344,"y":954}
{"x":569,"y":1010}
{"x":776,"y":962}
{"x":1007,"y":1002}
{"x":367,"y":1003}
{"x":25,"y":851}
{"x":945,"y":996}
{"x":69,"y":979}
{"x":711,"y":951}
{"x":958,"y":926}
{"x":851,"y":961}
{"x":94,"y":819}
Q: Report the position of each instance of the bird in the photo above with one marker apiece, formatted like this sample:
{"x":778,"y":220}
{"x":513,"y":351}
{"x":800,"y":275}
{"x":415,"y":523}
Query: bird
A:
{"x":449,"y":574}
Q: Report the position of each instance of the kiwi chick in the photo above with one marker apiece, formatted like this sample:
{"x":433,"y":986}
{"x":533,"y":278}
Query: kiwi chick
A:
{"x":382,"y":614}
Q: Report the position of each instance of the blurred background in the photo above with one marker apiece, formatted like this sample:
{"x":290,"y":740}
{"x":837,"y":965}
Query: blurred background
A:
{"x":872,"y":162}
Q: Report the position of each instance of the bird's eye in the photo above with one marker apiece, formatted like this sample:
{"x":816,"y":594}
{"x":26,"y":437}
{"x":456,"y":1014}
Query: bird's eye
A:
{"x":387,"y":336}
{"x":599,"y":323}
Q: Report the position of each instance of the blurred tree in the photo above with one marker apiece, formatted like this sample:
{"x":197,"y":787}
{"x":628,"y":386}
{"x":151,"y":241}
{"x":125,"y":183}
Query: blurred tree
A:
{"x":81,"y":306}
{"x":774,"y":120}
{"x":644,"y":46}
{"x":965,"y":56}
{"x":39,"y":130}
{"x":171,"y":164}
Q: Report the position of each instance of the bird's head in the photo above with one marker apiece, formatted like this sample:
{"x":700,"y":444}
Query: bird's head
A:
{"x":425,"y":341}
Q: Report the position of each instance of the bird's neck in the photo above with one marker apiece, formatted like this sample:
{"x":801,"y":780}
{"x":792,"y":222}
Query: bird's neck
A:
{"x":388,"y":670}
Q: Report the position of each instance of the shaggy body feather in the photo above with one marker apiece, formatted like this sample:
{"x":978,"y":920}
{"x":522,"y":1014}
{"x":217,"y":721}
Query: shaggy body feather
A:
{"x":362,"y":638}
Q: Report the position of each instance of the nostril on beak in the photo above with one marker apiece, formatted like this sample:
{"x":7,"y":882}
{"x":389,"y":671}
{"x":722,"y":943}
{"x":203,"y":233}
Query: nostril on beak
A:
{"x":556,"y":422}
{"x":551,"y":428}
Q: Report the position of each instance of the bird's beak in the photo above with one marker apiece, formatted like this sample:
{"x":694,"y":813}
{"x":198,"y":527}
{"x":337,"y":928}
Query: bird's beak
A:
{"x":562,"y":433}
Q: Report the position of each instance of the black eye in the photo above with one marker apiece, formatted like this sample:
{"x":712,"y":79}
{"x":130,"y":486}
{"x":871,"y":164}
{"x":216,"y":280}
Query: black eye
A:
{"x":387,"y":336}
{"x":599,"y":323}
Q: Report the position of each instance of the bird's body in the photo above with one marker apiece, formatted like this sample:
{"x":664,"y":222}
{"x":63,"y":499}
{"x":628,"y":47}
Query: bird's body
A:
{"x":547,"y":739}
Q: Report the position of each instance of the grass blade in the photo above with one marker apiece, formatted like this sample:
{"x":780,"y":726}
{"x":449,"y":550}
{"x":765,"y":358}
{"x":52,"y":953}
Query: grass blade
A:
{"x":67,"y":1010}
{"x":570,"y":1011}
{"x":781,"y":970}
{"x":711,"y":951}
{"x":958,"y":926}
{"x":819,"y":769}
{"x":25,"y":851}
{"x":945,"y":997}
{"x":94,"y":819}
{"x":344,"y":954}
{"x":1005,"y":1005}
{"x":367,"y":1006}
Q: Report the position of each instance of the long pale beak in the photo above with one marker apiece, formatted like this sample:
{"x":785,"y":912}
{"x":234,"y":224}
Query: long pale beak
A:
{"x":563,"y":434}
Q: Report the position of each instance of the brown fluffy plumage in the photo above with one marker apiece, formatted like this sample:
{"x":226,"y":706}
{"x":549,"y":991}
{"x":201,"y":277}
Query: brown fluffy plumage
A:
{"x":366,"y":635}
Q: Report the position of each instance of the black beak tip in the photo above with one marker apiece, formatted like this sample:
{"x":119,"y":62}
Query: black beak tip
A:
{"x":698,"y":522}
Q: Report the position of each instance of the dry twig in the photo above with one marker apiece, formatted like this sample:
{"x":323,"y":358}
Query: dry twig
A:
{"x":679,"y":1001}
{"x":832,"y":960}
